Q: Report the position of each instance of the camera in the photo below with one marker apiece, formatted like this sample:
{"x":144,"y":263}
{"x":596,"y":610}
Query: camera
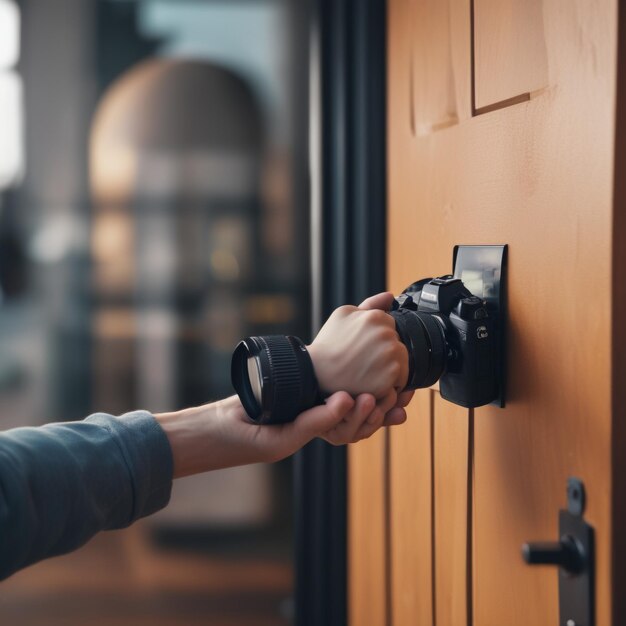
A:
{"x":450,"y":336}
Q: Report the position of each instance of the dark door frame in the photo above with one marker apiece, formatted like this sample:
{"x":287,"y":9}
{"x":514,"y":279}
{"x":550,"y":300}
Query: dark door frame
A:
{"x":348,"y":190}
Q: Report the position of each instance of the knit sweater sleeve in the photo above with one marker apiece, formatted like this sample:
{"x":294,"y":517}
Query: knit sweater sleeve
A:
{"x":62,"y":483}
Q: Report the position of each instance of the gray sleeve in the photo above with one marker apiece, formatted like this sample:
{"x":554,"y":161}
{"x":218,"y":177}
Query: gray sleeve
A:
{"x":62,"y":483}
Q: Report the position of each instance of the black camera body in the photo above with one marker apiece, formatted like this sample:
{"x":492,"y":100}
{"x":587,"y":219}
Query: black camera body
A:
{"x":453,"y":334}
{"x":450,"y":336}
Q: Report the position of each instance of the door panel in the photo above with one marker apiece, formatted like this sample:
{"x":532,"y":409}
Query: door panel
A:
{"x":537,"y":175}
{"x":437,"y":51}
{"x":510,"y":59}
{"x":429,"y":480}
{"x":410,"y":482}
{"x":435,"y":104}
{"x":367,"y":532}
{"x":451,"y":476}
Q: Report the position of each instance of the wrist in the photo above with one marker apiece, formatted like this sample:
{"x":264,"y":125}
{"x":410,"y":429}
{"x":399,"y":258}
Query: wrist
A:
{"x":196,"y":436}
{"x":320,"y":366}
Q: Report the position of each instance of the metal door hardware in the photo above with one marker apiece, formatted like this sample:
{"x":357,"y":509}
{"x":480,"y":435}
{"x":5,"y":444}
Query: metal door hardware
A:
{"x":574,"y":555}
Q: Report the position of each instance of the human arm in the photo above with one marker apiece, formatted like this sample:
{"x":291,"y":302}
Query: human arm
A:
{"x":62,"y":483}
{"x":218,"y":435}
{"x":359,"y":351}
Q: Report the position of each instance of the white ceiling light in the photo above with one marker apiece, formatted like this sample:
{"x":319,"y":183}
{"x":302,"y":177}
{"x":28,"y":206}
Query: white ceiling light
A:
{"x":9,"y":34}
{"x":11,"y":155}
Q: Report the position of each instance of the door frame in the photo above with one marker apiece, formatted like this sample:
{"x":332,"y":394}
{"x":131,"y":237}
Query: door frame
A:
{"x":348,"y":261}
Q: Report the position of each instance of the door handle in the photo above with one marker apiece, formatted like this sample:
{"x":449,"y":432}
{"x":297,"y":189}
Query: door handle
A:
{"x":574,"y":556}
{"x":566,"y":553}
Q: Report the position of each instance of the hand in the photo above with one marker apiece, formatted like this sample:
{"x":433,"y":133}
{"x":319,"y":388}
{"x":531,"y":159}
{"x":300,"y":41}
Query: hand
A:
{"x":220,"y":435}
{"x":383,"y":301}
{"x":358,"y":350}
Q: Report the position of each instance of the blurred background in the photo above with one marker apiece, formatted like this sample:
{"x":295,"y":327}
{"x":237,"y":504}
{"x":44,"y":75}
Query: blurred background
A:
{"x":153,"y":211}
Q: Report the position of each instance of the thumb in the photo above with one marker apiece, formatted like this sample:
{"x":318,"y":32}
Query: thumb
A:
{"x":322,"y":418}
{"x":382,"y":301}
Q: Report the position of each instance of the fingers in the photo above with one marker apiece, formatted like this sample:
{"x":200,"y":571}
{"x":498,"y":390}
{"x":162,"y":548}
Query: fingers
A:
{"x":339,"y":421}
{"x":321,"y":419}
{"x":376,"y":417}
{"x":380,"y":301}
{"x":346,"y":430}
{"x":367,"y":417}
{"x":387,"y":402}
{"x":395,"y":417}
{"x":404,"y":397}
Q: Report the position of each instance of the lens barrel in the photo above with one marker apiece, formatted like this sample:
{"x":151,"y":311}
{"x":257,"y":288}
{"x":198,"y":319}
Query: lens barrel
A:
{"x":286,"y":383}
{"x":425,"y":341}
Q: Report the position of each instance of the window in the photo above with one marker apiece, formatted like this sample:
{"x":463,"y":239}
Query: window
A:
{"x":11,"y":149}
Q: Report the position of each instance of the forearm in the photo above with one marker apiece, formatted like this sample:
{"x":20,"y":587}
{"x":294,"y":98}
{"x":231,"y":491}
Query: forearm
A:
{"x":220,"y":434}
{"x":201,"y":437}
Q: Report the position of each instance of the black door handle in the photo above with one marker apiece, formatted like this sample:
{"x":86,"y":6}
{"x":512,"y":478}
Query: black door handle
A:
{"x":566,"y":553}
{"x":573,"y":554}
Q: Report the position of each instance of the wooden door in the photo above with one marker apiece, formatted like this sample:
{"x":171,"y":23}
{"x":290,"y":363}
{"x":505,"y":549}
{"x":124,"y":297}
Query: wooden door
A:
{"x":503,"y":126}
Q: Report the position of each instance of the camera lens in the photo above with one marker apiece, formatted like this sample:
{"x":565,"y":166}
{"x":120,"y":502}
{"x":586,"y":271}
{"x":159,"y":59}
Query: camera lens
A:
{"x":424,"y":338}
{"x":255,"y":377}
{"x":274,"y":378}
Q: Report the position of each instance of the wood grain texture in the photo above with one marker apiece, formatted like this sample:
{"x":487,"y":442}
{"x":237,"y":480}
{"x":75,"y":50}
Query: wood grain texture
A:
{"x":439,"y":64}
{"x":510,"y":56}
{"x":410,"y":514}
{"x":432,"y":72}
{"x":539,"y":176}
{"x":451,"y":509}
{"x":367,"y":518}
